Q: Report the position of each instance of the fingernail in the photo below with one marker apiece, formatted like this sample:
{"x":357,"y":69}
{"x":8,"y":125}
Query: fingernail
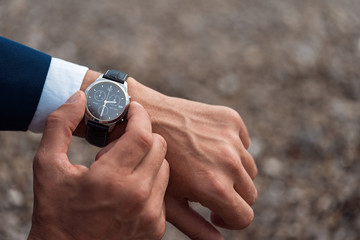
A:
{"x":74,"y":98}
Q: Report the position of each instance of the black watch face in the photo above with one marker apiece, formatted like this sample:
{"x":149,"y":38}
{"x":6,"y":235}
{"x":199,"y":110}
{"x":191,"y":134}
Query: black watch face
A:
{"x":106,"y":101}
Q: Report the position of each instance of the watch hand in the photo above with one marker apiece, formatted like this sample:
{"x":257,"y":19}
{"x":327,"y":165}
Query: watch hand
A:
{"x":107,"y":95}
{"x":102,"y":111}
{"x":105,"y":102}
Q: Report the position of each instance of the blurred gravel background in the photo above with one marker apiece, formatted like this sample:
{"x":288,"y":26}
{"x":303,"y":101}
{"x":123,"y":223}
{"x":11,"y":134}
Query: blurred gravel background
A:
{"x":290,"y":68}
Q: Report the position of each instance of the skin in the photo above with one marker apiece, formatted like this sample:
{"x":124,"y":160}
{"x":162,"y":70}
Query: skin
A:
{"x":209,"y":162}
{"x":120,"y":196}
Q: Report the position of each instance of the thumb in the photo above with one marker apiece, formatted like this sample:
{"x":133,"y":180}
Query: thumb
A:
{"x":61,"y":124}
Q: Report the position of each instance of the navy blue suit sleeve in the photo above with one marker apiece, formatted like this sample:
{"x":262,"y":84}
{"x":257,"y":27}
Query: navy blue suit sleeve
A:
{"x":23,"y":71}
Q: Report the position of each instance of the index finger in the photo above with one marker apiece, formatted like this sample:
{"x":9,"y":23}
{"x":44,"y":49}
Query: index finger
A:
{"x":130,"y":149}
{"x":138,"y":118}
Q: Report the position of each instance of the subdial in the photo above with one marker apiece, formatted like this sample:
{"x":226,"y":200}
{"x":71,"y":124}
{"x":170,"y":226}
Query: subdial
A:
{"x":103,"y":110}
{"x":114,"y":100}
{"x":100,"y":95}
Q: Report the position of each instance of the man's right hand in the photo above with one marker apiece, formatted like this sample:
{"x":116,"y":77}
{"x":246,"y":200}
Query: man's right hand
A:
{"x":121,"y":195}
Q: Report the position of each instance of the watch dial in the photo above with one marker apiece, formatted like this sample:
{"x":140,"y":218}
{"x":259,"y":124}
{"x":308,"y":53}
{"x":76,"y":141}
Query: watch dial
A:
{"x":106,"y":101}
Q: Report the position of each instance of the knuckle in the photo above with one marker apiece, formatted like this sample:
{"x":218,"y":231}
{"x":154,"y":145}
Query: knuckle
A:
{"x":54,"y":118}
{"x":218,"y":189}
{"x":149,"y":220}
{"x":229,"y":157}
{"x":144,"y":139}
{"x":226,"y":152}
{"x":231,"y":115}
{"x":152,"y":222}
{"x":161,"y":140}
{"x":215,"y":186}
{"x":57,"y":120}
{"x":160,"y":229}
{"x":140,"y":195}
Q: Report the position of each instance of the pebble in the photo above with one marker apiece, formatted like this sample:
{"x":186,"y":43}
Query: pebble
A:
{"x":15,"y":197}
{"x":273,"y":167}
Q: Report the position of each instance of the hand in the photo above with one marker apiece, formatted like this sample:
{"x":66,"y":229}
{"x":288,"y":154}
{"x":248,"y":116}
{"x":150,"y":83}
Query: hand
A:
{"x":209,"y":164}
{"x":119,"y":197}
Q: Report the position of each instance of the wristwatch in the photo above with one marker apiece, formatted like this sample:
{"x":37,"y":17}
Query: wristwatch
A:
{"x":107,"y":102}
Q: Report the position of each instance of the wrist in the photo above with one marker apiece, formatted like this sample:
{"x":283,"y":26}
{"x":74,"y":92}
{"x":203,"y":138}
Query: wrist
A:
{"x":153,"y":101}
{"x":89,"y":78}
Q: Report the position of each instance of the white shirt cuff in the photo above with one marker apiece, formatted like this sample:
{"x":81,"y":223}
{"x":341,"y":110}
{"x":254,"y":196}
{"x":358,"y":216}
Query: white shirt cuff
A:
{"x":62,"y":81}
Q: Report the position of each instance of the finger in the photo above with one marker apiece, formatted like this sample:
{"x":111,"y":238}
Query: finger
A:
{"x":244,"y":134}
{"x":60,"y":126}
{"x":247,"y":161}
{"x":154,"y":159}
{"x":229,"y":205}
{"x":245,"y":186}
{"x":138,"y":118}
{"x":188,"y":221}
{"x":155,"y":203}
{"x":159,"y":185}
{"x":130,"y":149}
{"x":114,"y":135}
